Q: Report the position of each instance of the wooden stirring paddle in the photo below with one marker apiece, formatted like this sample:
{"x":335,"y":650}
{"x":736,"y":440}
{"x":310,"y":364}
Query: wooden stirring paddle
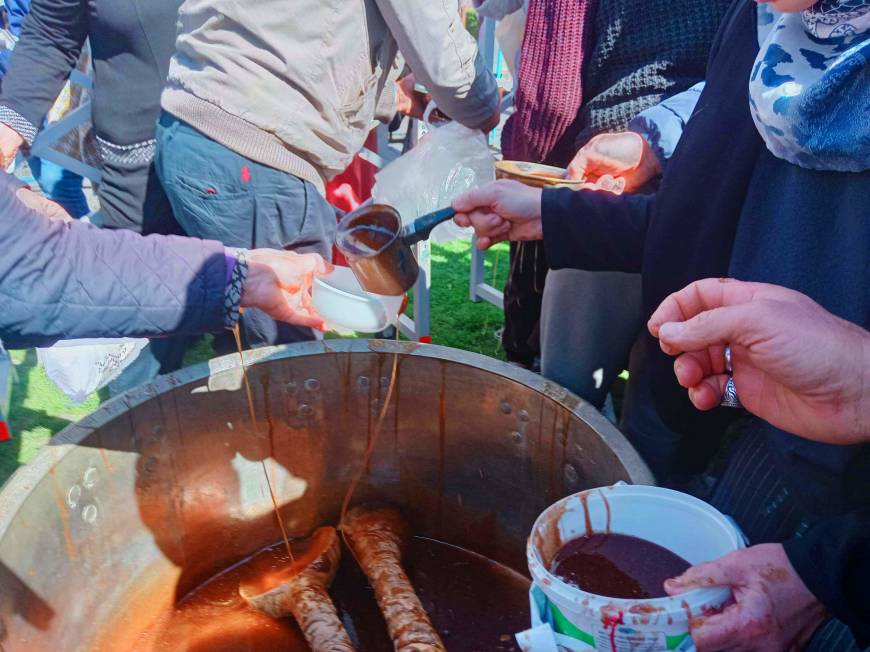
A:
{"x":376,"y":535}
{"x":299,"y":590}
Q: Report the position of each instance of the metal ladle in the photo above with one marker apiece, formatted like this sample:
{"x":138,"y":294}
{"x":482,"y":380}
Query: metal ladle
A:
{"x":378,"y":247}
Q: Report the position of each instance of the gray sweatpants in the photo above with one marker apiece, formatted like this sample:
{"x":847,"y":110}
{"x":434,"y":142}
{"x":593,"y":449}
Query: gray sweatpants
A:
{"x":591,"y":327}
{"x":589,"y":320}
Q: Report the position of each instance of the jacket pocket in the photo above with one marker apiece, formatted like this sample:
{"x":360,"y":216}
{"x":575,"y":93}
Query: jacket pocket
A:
{"x":359,"y":110}
{"x":203,"y":211}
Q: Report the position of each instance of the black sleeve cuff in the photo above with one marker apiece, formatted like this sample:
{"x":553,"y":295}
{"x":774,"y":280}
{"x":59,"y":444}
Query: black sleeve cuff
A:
{"x":594,"y":230}
{"x":833,"y":560}
{"x":14,"y":120}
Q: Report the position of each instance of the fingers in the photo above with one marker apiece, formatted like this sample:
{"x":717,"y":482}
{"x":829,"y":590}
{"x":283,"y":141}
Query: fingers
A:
{"x":485,"y":197}
{"x":691,"y":368}
{"x":486,"y":225}
{"x":298,"y":310}
{"x":577,"y":169}
{"x":701,"y":296}
{"x":708,"y":393}
{"x":462,"y":219}
{"x":475,"y":199}
{"x":719,"y":632}
{"x":702,"y":374}
{"x":298,"y":270}
{"x":733,"y":324}
{"x":714,"y":573}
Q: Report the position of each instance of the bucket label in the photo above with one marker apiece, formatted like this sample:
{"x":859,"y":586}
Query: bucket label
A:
{"x":628,"y":639}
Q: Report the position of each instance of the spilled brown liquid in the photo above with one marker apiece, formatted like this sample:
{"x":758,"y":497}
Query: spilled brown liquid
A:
{"x":250,"y":397}
{"x":474,"y":603}
{"x":617,"y":566}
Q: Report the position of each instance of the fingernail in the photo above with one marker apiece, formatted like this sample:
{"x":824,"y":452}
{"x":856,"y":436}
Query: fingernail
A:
{"x":671,"y":330}
{"x":672,"y":585}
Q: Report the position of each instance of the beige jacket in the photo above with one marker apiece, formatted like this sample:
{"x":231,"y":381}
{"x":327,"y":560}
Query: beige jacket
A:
{"x":296,"y":84}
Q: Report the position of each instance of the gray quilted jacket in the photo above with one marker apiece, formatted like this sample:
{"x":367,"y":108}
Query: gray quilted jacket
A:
{"x":67,"y":281}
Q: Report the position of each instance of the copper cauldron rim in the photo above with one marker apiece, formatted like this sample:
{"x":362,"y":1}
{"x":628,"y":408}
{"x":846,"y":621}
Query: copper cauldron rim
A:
{"x":19,"y":486}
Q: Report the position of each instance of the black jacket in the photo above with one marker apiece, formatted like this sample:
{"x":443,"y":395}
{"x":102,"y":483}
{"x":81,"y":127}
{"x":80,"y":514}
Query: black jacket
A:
{"x":131,"y":44}
{"x":810,"y":233}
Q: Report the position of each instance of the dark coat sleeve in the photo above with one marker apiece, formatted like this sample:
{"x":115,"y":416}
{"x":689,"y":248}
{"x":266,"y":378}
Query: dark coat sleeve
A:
{"x":68,"y":281}
{"x":17,"y":10}
{"x":833,"y":560}
{"x":42,"y":60}
{"x":595,"y":231}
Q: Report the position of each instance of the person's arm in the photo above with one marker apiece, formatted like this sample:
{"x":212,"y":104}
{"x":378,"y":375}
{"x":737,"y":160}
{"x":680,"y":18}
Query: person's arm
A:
{"x":662,"y":125}
{"x":640,"y":154}
{"x":581,"y":229}
{"x":47,"y":52}
{"x":444,"y":58}
{"x":833,"y":560}
{"x":62,"y":280}
{"x":71,"y":280}
{"x":594,"y":230}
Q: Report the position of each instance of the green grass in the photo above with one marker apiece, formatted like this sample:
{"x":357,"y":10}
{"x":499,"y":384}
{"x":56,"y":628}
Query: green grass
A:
{"x":38,"y":409}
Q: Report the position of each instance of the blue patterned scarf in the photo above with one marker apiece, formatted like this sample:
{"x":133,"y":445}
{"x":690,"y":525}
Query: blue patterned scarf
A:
{"x":810,"y":86}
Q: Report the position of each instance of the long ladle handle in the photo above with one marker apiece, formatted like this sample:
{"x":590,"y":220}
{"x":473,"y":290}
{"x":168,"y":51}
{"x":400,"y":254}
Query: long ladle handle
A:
{"x":421,"y":228}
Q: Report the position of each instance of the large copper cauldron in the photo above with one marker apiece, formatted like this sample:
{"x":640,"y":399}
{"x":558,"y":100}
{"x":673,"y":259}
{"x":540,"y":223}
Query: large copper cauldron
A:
{"x":160,"y":488}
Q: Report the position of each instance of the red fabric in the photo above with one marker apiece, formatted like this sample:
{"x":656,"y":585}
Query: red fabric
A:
{"x":5,"y":435}
{"x":352,"y":187}
{"x":550,"y":79}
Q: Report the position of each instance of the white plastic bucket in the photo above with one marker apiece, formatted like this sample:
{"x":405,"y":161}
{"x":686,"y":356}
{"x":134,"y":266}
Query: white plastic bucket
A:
{"x":689,"y":527}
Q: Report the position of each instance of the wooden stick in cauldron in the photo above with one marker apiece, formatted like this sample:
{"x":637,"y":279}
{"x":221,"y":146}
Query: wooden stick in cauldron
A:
{"x":300,"y":591}
{"x":376,"y":535}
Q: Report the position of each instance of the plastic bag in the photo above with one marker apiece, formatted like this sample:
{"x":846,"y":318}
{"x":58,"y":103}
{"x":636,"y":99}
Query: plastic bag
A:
{"x":81,"y":367}
{"x":447,"y":161}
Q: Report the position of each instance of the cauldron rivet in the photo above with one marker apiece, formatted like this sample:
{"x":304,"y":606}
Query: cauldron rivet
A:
{"x":73,"y":496}
{"x":571,"y":475}
{"x":89,"y":513}
{"x":230,"y":425}
{"x":385,"y":381}
{"x":312,"y":384}
{"x":363,"y":382}
{"x":522,"y":415}
{"x":517,"y":436}
{"x":505,"y":407}
{"x":90,"y":478}
{"x":305,"y":410}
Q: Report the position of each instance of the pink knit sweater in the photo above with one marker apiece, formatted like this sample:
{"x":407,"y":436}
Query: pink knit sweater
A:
{"x":549,"y":89}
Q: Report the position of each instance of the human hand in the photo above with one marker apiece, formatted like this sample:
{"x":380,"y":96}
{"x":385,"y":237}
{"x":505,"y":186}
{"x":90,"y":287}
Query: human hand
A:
{"x":625,"y":155}
{"x":279,"y":284}
{"x":794,"y":364}
{"x":502,"y":210}
{"x":410,"y":101}
{"x":493,"y":121}
{"x":42,"y":205}
{"x":772,"y":610}
{"x":10,"y":142}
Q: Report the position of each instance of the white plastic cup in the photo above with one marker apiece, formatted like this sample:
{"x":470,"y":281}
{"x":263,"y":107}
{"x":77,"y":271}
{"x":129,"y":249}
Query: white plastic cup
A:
{"x":686,"y":526}
{"x":342,"y":303}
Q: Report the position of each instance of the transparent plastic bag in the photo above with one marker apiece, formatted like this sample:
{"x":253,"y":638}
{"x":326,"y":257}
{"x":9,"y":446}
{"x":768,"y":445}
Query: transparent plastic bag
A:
{"x":81,"y":367}
{"x":447,"y":161}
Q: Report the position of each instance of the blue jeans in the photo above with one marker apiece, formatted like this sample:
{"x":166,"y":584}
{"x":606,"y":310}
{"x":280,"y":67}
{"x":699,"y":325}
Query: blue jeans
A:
{"x":61,"y":186}
{"x":217,"y":194}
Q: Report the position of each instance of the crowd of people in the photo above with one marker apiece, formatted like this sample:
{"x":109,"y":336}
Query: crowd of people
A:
{"x":740,"y":129}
